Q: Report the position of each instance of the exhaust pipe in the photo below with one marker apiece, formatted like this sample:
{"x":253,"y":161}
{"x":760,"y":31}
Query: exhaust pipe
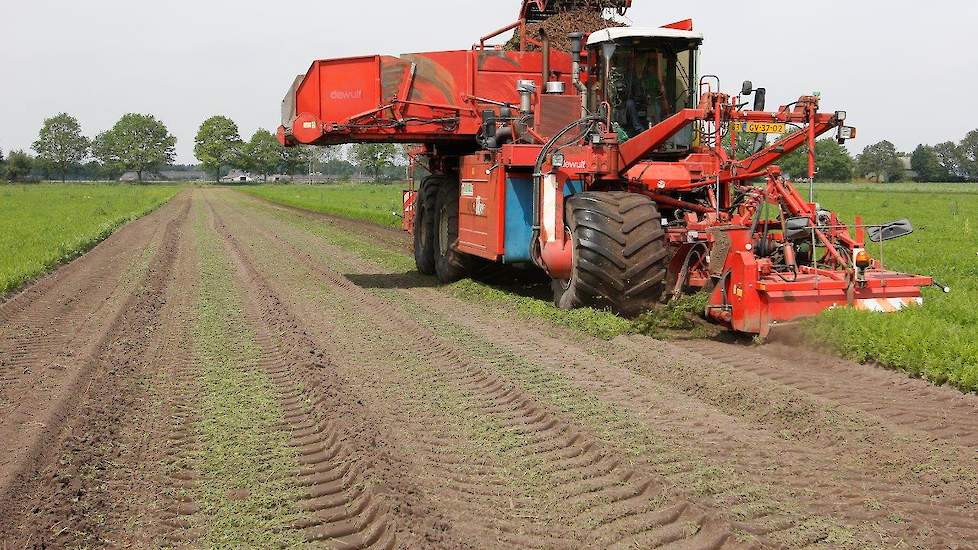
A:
{"x":546,"y":57}
{"x":577,"y":44}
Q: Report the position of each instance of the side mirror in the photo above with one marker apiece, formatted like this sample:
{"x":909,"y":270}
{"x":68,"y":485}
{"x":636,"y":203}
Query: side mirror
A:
{"x":747,"y":88}
{"x":798,"y":228}
{"x":890,"y":231}
{"x":760,"y":99}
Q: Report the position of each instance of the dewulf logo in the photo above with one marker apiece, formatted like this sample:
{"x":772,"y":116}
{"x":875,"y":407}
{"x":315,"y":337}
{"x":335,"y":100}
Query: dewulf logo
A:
{"x":577,"y":165}
{"x":343,"y":95}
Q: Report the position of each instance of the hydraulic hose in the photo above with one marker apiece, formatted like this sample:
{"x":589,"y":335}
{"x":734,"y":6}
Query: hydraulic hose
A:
{"x":542,"y":157}
{"x":538,"y":175}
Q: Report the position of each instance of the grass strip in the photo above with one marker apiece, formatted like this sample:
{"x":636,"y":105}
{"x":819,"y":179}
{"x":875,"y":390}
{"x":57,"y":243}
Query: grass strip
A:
{"x":375,"y":203}
{"x":43,"y":226}
{"x":247,"y":493}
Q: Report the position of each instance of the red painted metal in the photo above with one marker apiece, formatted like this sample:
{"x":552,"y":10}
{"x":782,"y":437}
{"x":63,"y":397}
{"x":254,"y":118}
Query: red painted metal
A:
{"x":482,"y":207}
{"x":684,"y":25}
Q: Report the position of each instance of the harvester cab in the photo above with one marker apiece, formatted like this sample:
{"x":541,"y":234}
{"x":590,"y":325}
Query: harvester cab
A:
{"x":644,"y":76}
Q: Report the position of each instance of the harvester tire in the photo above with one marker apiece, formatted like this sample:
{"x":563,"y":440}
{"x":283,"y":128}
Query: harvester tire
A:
{"x":620,"y":253}
{"x":450,"y":264}
{"x":424,"y":225}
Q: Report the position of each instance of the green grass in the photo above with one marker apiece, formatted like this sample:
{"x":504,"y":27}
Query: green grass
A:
{"x":42,"y":226}
{"x":938,"y":341}
{"x":896,"y":187}
{"x":377,"y":203}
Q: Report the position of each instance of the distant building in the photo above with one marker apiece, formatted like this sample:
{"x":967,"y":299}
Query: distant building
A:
{"x":238,"y":176}
{"x":909,"y":174}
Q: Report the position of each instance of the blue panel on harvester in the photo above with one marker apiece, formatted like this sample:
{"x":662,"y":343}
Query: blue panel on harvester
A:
{"x":519,"y":216}
{"x":519,"y":219}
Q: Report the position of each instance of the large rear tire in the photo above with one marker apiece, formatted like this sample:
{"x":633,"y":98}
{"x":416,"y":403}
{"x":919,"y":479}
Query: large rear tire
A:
{"x":424,"y":225}
{"x":450,"y":264}
{"x":620,"y":253}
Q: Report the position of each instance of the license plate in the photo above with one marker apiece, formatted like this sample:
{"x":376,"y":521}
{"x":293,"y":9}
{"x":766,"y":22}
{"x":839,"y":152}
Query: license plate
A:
{"x":764,"y":127}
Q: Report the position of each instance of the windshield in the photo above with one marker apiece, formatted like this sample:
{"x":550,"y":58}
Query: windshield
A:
{"x":646,"y":83}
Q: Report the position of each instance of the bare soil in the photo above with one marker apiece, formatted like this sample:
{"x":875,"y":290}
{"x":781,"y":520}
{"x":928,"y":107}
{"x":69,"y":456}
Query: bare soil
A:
{"x":416,"y":419}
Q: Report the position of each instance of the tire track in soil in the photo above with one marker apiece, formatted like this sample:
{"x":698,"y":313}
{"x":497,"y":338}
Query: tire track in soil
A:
{"x":834,"y":477}
{"x":62,"y":494}
{"x":229,"y":481}
{"x":345,"y":418}
{"x":940,"y":516}
{"x":935,"y":412}
{"x":160,"y":433}
{"x":49,"y":330}
{"x":596,"y":487}
{"x":838,"y":476}
{"x":340,"y":506}
{"x":439,"y":300}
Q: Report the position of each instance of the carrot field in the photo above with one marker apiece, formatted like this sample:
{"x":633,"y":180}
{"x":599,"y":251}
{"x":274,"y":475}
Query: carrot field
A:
{"x":938,"y":341}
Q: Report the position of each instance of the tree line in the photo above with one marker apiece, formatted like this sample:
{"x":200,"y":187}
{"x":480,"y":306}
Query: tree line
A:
{"x":136,"y":142}
{"x":218,"y":146}
{"x":143,"y":145}
{"x":882,"y":162}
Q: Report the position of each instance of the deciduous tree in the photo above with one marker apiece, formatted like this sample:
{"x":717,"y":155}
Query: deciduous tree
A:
{"x":138,"y":143}
{"x":968,"y":153}
{"x":374,"y":157}
{"x":927,"y":165}
{"x":19,"y":165}
{"x":61,"y":144}
{"x":218,"y":144}
{"x":949,"y":156}
{"x":881,"y":161}
{"x":263,"y":153}
{"x":832,"y":162}
{"x":293,"y":160}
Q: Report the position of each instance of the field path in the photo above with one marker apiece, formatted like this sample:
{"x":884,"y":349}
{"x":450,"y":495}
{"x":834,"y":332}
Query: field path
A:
{"x":229,"y":373}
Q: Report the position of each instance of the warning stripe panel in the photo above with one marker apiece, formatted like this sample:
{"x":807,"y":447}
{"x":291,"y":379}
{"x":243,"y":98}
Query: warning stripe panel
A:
{"x":887,"y":305}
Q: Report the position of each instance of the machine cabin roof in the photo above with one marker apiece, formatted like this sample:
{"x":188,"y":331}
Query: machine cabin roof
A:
{"x":618,"y":33}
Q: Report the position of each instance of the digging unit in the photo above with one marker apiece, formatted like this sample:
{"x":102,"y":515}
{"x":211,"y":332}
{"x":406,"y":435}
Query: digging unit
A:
{"x":607,"y":161}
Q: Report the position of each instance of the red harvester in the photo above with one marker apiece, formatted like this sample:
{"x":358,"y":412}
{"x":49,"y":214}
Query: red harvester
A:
{"x":613,"y":168}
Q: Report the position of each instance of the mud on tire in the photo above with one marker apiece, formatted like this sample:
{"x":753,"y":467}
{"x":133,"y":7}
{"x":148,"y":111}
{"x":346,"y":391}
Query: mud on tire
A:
{"x":424,"y":225}
{"x":450,"y":264}
{"x":620,"y":253}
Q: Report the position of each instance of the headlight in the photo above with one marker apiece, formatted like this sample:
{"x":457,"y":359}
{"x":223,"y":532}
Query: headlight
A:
{"x":847,"y":132}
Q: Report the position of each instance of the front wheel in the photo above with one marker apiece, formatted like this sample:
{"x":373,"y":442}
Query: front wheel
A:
{"x":450,"y":264}
{"x":620,"y":253}
{"x":424,"y":224}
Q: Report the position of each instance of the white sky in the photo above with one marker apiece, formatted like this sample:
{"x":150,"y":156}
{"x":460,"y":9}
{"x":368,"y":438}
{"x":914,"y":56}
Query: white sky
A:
{"x":905,"y":70}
